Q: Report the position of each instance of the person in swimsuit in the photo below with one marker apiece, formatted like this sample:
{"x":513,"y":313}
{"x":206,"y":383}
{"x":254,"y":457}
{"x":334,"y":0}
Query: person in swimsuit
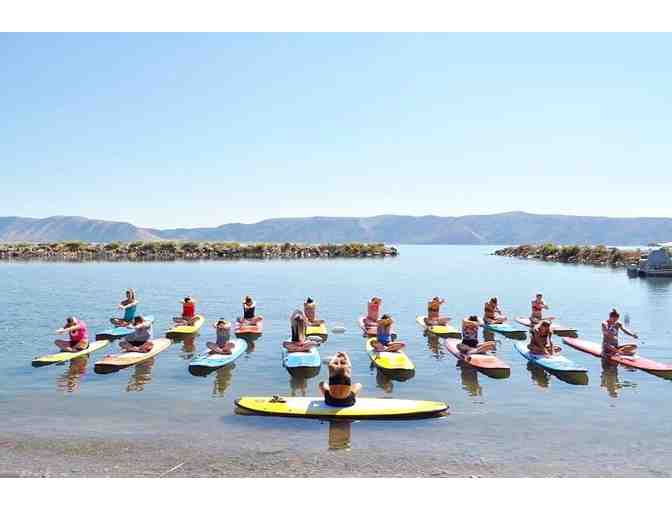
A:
{"x":310,"y":311}
{"x":373,"y":311}
{"x":540,"y":339}
{"x":140,"y":339}
{"x":299,"y":342}
{"x":610,"y":329}
{"x":383,"y":341}
{"x":249,"y":312}
{"x":129,"y":306}
{"x":492,"y":313}
{"x":222,"y":346}
{"x":538,"y":307}
{"x":78,"y":333}
{"x":433,"y":316}
{"x":188,"y":312}
{"x":339,"y":391}
{"x":470,"y":327}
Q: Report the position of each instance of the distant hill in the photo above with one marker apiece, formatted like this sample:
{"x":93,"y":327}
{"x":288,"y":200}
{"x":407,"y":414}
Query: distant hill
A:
{"x":504,"y":228}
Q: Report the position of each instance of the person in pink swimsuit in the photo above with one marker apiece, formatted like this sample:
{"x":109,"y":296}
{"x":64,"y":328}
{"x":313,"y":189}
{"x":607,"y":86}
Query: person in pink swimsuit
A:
{"x":310,"y":311}
{"x":373,"y":312}
{"x":538,"y":307}
{"x":610,"y":329}
{"x":433,"y":313}
{"x":492,"y":314}
{"x":78,"y":333}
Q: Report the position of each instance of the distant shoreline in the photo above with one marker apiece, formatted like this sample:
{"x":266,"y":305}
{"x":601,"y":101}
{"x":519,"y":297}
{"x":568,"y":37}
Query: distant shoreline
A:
{"x":153,"y":251}
{"x":572,"y":254}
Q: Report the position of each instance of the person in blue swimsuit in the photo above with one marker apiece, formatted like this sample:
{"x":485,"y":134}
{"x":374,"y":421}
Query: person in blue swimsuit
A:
{"x":383,"y":341}
{"x":129,"y":306}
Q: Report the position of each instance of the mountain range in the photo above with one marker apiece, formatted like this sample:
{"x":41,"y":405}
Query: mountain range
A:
{"x":494,"y":229}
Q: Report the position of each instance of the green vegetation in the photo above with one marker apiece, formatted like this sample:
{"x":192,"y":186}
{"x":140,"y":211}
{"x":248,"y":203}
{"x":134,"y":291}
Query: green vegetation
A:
{"x":573,"y":254}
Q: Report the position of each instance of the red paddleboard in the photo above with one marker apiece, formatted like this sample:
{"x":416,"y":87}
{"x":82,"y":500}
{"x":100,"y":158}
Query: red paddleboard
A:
{"x":558,"y":329}
{"x":636,"y":361}
{"x":481,"y":361}
{"x":246,"y":328}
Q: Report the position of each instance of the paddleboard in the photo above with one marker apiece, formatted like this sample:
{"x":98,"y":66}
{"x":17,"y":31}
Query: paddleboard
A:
{"x":178,"y":331}
{"x":506,"y":328}
{"x":310,"y":359}
{"x":555,"y":363}
{"x":481,"y":361}
{"x":119,"y":331}
{"x":246,"y":329}
{"x":320,"y":331}
{"x":370,"y":331}
{"x":558,"y":329}
{"x":211,"y":360}
{"x":635,"y":361}
{"x":61,"y":357}
{"x":388,"y":360}
{"x":125,"y":359}
{"x":447,"y":331}
{"x":364,"y":408}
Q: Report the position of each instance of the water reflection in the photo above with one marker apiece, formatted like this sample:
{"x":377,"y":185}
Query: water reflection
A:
{"x":188,"y":347}
{"x":435,"y":345}
{"x":298,"y":386}
{"x":340,"y":434}
{"x":383,"y":381}
{"x":223,"y":378}
{"x":141,"y":375}
{"x":610,"y":380}
{"x":470,"y":379}
{"x":539,"y":375}
{"x":542,"y":377}
{"x":70,"y":380}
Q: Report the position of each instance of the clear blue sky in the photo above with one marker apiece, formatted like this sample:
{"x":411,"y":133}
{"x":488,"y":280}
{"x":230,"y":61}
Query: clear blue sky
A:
{"x":198,"y":130}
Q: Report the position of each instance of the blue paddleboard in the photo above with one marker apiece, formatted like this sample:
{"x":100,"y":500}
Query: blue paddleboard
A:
{"x":310,"y":359}
{"x":506,"y":328}
{"x":119,"y":332}
{"x":207,"y":360}
{"x":556,"y":363}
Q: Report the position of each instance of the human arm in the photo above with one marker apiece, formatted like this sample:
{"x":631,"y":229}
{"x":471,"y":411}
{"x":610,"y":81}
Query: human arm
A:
{"x":627,"y":331}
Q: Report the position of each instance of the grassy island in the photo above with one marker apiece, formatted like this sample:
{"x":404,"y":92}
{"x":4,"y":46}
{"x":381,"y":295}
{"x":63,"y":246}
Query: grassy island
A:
{"x":599,"y":255}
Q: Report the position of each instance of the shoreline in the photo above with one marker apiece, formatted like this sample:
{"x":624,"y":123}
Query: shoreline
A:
{"x":165,"y":251}
{"x":599,"y":255}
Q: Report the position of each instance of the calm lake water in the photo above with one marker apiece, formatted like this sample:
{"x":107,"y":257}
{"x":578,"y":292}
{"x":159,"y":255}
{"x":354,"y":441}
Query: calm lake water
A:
{"x":619,"y":423}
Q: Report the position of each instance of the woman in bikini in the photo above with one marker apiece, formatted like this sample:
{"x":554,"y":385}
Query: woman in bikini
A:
{"x":310,"y":311}
{"x":78,"y":335}
{"x":222,"y":345}
{"x":339,"y":391}
{"x":492,"y":313}
{"x":433,"y":313}
{"x":249,"y":312}
{"x":538,"y":307}
{"x":129,"y":306}
{"x":299,"y":342}
{"x":540,"y":339}
{"x":610,"y":329}
{"x":383,"y":341}
{"x":373,"y":311}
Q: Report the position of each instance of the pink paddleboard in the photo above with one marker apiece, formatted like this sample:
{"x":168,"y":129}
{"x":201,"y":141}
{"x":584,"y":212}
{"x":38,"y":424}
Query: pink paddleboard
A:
{"x":635,"y":361}
{"x":482,"y":361}
{"x":245,"y":328}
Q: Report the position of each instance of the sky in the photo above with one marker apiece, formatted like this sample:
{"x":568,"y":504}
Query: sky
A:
{"x":185,"y":130}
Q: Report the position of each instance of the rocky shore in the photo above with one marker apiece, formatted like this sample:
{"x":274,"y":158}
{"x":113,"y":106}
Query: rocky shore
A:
{"x":77,"y":251}
{"x":594,"y":255}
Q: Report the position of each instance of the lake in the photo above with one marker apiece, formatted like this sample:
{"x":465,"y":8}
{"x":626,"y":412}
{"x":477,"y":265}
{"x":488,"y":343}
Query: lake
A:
{"x":531,"y":423}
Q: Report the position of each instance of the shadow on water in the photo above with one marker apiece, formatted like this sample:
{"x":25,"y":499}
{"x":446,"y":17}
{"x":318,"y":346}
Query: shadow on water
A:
{"x":141,"y":375}
{"x":70,"y":380}
{"x":542,"y":376}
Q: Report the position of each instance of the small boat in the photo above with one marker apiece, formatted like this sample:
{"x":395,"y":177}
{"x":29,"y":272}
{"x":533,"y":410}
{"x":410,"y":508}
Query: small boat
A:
{"x":363,"y":409}
{"x":179,"y":332}
{"x":489,"y":363}
{"x":120,"y":331}
{"x":113,"y":362}
{"x":249,"y":331}
{"x":63,"y":356}
{"x":558,"y":329}
{"x":208,"y":360}
{"x":443,"y":331}
{"x":389,"y":360}
{"x":554,"y":363}
{"x":653,"y":367}
{"x":319,"y":331}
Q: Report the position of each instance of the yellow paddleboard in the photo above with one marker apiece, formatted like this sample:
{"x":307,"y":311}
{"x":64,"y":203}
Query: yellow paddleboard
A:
{"x":187,"y":330}
{"x":320,"y":330}
{"x":389,"y":360}
{"x":125,"y":359}
{"x":364,"y":408}
{"x":443,"y":331}
{"x":60,"y":357}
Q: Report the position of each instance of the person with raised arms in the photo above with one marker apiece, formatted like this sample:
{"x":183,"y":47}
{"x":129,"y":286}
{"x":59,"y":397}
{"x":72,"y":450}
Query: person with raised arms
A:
{"x":140,"y":339}
{"x":299,"y":342}
{"x":538,"y":307}
{"x":339,"y":390}
{"x":188,"y":312}
{"x":249,"y":312}
{"x":540,"y":339}
{"x":372,"y":311}
{"x":610,"y":329}
{"x":78,"y":335}
{"x":129,"y":305}
{"x":433,"y":313}
{"x":222,"y":345}
{"x":492,"y":314}
{"x":383,"y":341}
{"x":310,"y":311}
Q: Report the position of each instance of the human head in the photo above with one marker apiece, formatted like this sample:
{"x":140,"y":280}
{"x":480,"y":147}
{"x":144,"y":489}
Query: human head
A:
{"x":222,"y":323}
{"x":539,"y":296}
{"x":473,"y":318}
{"x":493,"y":300}
{"x":544,"y":326}
{"x":614,"y":315}
{"x":187,"y":299}
{"x":247,"y":300}
{"x":309,"y":300}
{"x":130,"y":294}
{"x":70,"y":321}
{"x":138,"y":320}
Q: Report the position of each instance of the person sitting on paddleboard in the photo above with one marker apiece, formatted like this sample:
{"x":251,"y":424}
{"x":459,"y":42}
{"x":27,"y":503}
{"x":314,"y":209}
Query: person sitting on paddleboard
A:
{"x":339,"y":391}
{"x":433,"y":316}
{"x":492,"y":313}
{"x":373,"y":311}
{"x":249,"y":312}
{"x":610,"y":329}
{"x":540,"y":339}
{"x":383,"y":340}
{"x":470,"y":327}
{"x":299,"y":342}
{"x":188,"y":312}
{"x":78,"y":333}
{"x":140,"y":339}
{"x":310,"y":311}
{"x":129,"y":306}
{"x":222,"y":346}
{"x":538,"y":307}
